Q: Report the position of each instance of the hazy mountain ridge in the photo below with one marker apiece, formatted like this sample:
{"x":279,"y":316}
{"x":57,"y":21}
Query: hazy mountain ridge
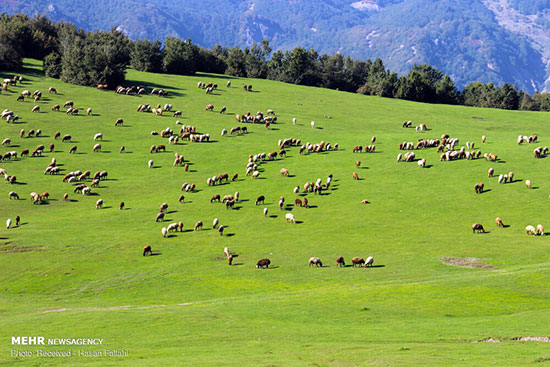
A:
{"x":487,"y":40}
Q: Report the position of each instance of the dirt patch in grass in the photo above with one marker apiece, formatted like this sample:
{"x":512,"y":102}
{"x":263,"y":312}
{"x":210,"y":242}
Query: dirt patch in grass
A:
{"x":544,"y":339}
{"x":8,"y":247}
{"x":465,"y":262}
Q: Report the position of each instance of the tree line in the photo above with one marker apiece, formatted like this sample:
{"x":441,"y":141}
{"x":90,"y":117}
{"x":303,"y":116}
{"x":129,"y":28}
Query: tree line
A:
{"x":100,"y":57}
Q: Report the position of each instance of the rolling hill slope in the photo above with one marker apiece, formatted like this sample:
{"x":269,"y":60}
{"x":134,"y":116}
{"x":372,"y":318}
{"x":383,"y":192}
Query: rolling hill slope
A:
{"x":73,"y":271}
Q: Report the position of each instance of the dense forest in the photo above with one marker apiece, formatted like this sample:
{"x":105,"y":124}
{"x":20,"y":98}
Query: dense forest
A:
{"x":100,"y":57}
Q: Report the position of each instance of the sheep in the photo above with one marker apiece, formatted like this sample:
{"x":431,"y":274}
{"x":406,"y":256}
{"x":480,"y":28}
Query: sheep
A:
{"x":369,"y":262}
{"x":255,"y":174}
{"x":224,"y":132}
{"x":540,"y":230}
{"x":147,"y":250}
{"x":198,"y":226}
{"x":284,"y":172}
{"x":119,"y":121}
{"x":121,"y":205}
{"x":294,"y":121}
{"x":500,"y":178}
{"x":315,"y":261}
{"x":355,"y":176}
{"x":483,"y":139}
{"x":290,"y":218}
{"x":340,"y":261}
{"x":13,"y":195}
{"x":530,"y":230}
{"x":164,"y":232}
{"x":528,"y":184}
{"x":399,"y":156}
{"x":159,"y":217}
{"x":358,"y":261}
{"x":491,"y":172}
{"x":209,"y":107}
{"x":365,"y":202}
{"x":86,"y":191}
{"x":98,"y":136}
{"x":97,"y":148}
{"x":499,"y":222}
{"x":8,"y":223}
{"x":263,"y":264}
{"x":99,"y":204}
{"x":6,"y":142}
{"x":260,"y":199}
{"x":477,"y":227}
{"x":163,"y":207}
{"x":422,"y":163}
{"x":281,"y":203}
{"x":89,"y":111}
{"x":36,"y":109}
{"x":172,"y":227}
{"x":150,"y":163}
{"x":511,"y":176}
{"x":226,"y":252}
{"x":215,"y":223}
{"x":220,"y":230}
{"x":265,"y":212}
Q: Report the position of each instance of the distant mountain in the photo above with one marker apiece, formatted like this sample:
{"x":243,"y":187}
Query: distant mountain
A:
{"x":471,"y":40}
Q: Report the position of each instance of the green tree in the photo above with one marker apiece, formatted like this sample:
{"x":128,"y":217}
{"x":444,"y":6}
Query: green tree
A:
{"x":147,"y":56}
{"x":181,"y":57}
{"x":236,"y":62}
{"x":52,"y":65}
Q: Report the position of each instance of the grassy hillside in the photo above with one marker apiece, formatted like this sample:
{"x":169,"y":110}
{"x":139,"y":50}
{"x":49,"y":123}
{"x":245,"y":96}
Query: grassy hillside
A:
{"x":71,"y":271}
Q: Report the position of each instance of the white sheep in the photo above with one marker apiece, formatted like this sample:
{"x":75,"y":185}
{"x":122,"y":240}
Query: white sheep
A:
{"x":294,"y":121}
{"x":226,"y":251}
{"x":265,"y":212}
{"x":164,"y":232}
{"x":540,"y":230}
{"x":8,"y":223}
{"x":530,"y":230}
{"x":150,"y":163}
{"x":290,"y":218}
{"x":313,"y":124}
{"x":97,"y":148}
{"x":224,"y":132}
{"x":236,"y":196}
{"x":422,"y":163}
{"x":215,"y":223}
{"x":89,"y":111}
{"x":297,"y":189}
{"x":99,"y":204}
{"x":6,"y":141}
{"x":500,"y":178}
{"x":86,"y":191}
{"x":369,"y":262}
{"x":98,"y":136}
{"x":399,"y":156}
{"x":528,"y":183}
{"x":172,"y":227}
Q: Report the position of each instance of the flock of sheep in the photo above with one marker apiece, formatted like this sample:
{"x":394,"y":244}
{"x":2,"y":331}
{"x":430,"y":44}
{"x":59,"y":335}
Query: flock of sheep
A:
{"x":446,"y":145}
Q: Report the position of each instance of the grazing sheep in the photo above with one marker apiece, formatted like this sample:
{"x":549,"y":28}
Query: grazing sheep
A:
{"x":13,"y":195}
{"x":399,"y":156}
{"x":365,"y":202}
{"x":422,"y":163}
{"x":215,"y":223}
{"x":8,"y":223}
{"x":294,"y":121}
{"x":369,"y":262}
{"x":312,"y":124}
{"x":358,"y":261}
{"x":491,"y":172}
{"x":340,"y":261}
{"x":164,"y":231}
{"x":284,"y":172}
{"x":355,"y":176}
{"x":265,"y":212}
{"x":281,"y":202}
{"x":17,"y":221}
{"x":36,"y":109}
{"x":224,"y":132}
{"x":198,"y":226}
{"x":315,"y":261}
{"x":263,"y":264}
{"x":150,"y":163}
{"x":99,"y":204}
{"x":98,"y":136}
{"x":97,"y":148}
{"x":530,"y":230}
{"x":477,"y":227}
{"x":159,"y":217}
{"x":528,"y":183}
{"x":290,"y":218}
{"x":540,"y":230}
{"x":89,"y":111}
{"x":255,"y":174}
{"x":6,"y":142}
{"x":172,"y":227}
{"x":121,"y":206}
{"x":209,"y":107}
{"x":260,"y":199}
{"x":147,"y":250}
{"x":500,"y":178}
{"x":220,"y":230}
{"x":119,"y":122}
{"x":65,"y":197}
{"x":499,"y":222}
{"x":483,"y":139}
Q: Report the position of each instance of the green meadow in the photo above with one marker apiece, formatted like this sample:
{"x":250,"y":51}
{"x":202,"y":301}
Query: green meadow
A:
{"x":436,"y":293}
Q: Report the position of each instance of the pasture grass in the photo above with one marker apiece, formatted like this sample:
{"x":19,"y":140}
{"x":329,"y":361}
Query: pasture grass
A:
{"x":73,"y":271}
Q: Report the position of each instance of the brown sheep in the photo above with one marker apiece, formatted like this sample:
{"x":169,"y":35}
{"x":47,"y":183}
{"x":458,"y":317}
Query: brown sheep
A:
{"x":216,"y":197}
{"x":65,"y":197}
{"x":209,"y":107}
{"x":198,"y":226}
{"x":358,"y":261}
{"x":263,"y":264}
{"x":160,"y":217}
{"x":477,"y":227}
{"x":499,"y":222}
{"x":73,"y":149}
{"x":355,"y":176}
{"x":340,"y":261}
{"x":147,"y":250}
{"x":119,"y":122}
{"x":181,"y":199}
{"x":121,"y":205}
